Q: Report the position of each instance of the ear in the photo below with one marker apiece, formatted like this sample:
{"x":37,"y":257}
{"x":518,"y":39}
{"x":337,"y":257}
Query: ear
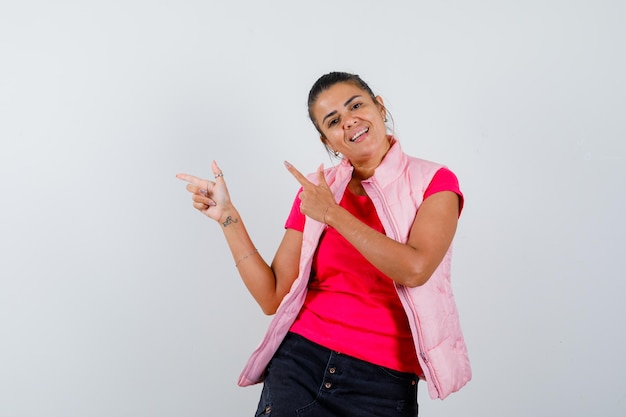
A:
{"x":381,"y":106}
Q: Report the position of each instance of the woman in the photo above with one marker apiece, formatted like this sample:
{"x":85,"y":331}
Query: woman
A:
{"x":360,"y":282}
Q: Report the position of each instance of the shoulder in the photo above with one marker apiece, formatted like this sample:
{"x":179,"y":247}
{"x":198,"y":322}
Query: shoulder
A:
{"x":421,"y":172}
{"x":423,"y":165}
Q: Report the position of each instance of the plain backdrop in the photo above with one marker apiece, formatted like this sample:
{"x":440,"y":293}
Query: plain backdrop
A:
{"x":117,"y":298}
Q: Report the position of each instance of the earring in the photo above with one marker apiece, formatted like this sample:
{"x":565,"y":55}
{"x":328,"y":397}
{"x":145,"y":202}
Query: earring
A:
{"x":336,"y":153}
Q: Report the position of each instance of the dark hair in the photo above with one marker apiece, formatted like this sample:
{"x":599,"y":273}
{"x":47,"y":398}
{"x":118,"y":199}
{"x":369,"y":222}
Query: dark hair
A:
{"x":328,"y":80}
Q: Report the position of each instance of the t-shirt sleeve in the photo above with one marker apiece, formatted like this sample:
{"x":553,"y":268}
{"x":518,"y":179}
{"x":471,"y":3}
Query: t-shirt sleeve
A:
{"x":445,"y":180}
{"x":296,"y":219}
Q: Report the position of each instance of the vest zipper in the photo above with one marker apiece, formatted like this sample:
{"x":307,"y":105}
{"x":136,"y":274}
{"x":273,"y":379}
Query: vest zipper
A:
{"x":402,"y":290}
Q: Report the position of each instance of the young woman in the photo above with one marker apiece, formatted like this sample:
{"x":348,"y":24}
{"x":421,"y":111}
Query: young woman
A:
{"x":360,"y":283}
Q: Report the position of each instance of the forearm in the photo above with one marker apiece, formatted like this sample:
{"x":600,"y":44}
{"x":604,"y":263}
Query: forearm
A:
{"x":257,"y":275}
{"x":404,"y":264}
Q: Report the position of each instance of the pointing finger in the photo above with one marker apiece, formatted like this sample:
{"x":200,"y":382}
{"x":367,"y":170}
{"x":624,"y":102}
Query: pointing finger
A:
{"x":297,"y":175}
{"x":190,"y":179}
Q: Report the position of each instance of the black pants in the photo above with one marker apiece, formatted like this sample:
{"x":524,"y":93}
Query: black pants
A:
{"x":305,"y":379}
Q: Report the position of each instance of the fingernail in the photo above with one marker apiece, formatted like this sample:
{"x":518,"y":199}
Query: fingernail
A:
{"x":287,"y":164}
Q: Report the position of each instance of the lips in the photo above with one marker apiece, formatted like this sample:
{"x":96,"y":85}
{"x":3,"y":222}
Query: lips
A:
{"x":358,"y":134}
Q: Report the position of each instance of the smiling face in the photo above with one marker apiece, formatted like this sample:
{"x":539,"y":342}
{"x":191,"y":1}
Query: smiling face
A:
{"x":352,"y":122}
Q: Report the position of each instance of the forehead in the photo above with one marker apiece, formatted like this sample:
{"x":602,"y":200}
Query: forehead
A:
{"x":335,"y":97}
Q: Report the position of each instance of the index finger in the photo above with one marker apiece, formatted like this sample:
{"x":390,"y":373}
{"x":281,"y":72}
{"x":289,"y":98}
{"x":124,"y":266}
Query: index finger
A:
{"x":190,"y":179}
{"x":297,"y":175}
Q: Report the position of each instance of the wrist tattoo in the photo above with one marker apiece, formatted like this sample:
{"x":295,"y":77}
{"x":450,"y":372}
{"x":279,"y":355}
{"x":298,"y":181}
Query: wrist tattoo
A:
{"x":229,"y":220}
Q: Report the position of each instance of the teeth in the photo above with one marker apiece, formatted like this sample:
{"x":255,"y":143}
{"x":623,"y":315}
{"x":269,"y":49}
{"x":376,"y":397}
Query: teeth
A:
{"x":355,"y":137}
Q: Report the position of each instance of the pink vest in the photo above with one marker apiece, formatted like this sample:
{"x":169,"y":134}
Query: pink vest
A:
{"x":396,"y":189}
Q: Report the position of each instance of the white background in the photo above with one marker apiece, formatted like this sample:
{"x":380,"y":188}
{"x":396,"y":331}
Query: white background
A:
{"x":118,"y":299}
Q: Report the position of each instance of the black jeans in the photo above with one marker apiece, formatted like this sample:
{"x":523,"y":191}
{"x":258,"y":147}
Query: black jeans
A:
{"x":305,"y":379}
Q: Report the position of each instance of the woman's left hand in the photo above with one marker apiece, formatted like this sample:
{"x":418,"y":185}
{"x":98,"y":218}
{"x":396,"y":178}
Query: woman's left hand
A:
{"x":315,"y":199}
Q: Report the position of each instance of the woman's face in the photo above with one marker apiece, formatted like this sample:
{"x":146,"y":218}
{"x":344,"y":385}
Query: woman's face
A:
{"x":352,"y":122}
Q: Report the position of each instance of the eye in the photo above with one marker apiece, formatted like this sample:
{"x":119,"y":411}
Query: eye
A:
{"x":356,"y":106}
{"x":333,"y":122}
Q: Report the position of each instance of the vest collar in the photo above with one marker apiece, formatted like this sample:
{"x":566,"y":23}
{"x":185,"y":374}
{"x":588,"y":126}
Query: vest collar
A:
{"x":389,"y":169}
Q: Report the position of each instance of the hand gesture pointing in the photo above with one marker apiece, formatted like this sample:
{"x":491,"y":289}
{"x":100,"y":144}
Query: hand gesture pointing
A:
{"x":315,"y":199}
{"x":209,"y":197}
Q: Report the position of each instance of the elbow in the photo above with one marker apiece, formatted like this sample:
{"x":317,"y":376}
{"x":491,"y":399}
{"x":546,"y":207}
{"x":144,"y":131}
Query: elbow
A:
{"x":268,"y":311}
{"x":418,"y":276}
{"x":269,"y":308}
{"x":415,"y":281}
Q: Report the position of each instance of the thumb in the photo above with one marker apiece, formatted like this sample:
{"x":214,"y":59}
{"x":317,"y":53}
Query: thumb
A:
{"x":320,"y":176}
{"x":217,"y":172}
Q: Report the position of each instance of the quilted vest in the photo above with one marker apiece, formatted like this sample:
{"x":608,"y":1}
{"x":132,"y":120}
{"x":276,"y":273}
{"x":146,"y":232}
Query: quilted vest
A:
{"x":396,"y":189}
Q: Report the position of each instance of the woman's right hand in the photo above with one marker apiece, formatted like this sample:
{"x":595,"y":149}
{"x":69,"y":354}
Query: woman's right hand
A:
{"x":209,"y":197}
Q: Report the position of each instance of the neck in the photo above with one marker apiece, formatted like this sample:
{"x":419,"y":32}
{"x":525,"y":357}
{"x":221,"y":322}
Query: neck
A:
{"x":363,"y":172}
{"x":365,"y":169}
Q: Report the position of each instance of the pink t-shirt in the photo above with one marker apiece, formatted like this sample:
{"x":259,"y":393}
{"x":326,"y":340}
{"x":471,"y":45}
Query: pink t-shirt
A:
{"x":351,"y":307}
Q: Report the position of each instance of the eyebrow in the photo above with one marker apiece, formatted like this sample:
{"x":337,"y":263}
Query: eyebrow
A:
{"x":332,"y":113}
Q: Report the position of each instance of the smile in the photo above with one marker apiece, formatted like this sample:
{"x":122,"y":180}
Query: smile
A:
{"x":358,"y":134}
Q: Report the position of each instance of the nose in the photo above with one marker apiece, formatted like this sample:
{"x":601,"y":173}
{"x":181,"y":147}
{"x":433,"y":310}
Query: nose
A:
{"x":350,"y":122}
